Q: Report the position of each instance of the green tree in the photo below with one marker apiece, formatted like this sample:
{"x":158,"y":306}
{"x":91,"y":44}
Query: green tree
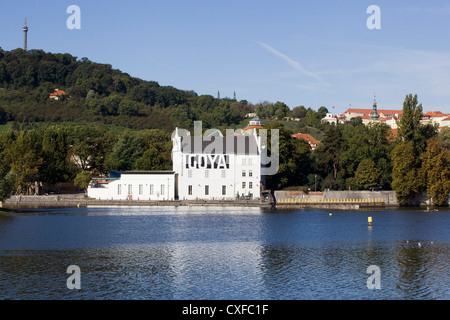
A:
{"x":411,"y":129}
{"x":129,"y":147}
{"x":329,"y":151}
{"x":23,"y":158}
{"x":129,"y":107}
{"x":150,"y":160}
{"x":436,"y":172}
{"x":406,"y":180}
{"x":86,"y":147}
{"x":3,"y":116}
{"x":294,"y":160}
{"x":298,"y":112}
{"x":281,"y":110}
{"x":322,"y":112}
{"x":82,"y":179}
{"x":444,"y":137}
{"x":56,"y":166}
{"x":367,"y":175}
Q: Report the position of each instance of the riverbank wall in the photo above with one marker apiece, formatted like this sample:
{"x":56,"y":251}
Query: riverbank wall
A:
{"x":345,"y":200}
{"x":376,"y":198}
{"x":80,"y":200}
{"x":284,"y":199}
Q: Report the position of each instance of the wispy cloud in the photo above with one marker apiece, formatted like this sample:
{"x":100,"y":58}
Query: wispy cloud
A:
{"x":294,"y":64}
{"x":427,"y":9}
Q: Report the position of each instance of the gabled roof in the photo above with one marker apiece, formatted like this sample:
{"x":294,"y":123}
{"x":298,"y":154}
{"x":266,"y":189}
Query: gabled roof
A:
{"x":57,"y":93}
{"x":309,"y":138}
{"x":235,"y":144}
{"x":435,"y":114}
{"x":385,"y":112}
{"x":253,"y":127}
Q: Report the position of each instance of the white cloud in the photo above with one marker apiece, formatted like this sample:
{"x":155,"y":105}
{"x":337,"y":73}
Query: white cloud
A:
{"x":294,"y":64}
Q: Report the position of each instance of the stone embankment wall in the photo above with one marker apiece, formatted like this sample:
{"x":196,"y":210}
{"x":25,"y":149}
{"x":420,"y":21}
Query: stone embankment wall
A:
{"x":386,"y":197}
{"x":79,"y":200}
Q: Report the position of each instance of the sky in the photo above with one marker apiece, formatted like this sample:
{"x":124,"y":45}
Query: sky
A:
{"x":310,"y":53}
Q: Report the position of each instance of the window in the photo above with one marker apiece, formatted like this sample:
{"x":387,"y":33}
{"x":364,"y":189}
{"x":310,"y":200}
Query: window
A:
{"x":250,"y":185}
{"x":250,"y":161}
{"x":243,"y":162}
{"x":162,"y":189}
{"x":224,"y":173}
{"x":141,"y":189}
{"x":190,"y":190}
{"x":189,"y":173}
{"x":250,"y":173}
{"x":152,"y":189}
{"x":206,"y":190}
{"x":119,"y":189}
{"x":130,"y":189}
{"x":224,"y":190}
{"x":206,"y":174}
{"x":243,"y":173}
{"x":243,"y":184}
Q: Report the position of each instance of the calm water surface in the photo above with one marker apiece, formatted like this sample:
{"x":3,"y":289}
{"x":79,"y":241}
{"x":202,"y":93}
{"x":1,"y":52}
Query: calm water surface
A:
{"x":223,"y":253}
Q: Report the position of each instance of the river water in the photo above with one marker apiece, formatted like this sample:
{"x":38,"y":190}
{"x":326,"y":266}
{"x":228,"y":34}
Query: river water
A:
{"x":224,"y":253}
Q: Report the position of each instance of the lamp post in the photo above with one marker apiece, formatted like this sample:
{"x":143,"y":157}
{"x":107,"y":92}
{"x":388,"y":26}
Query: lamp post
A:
{"x":315,"y":184}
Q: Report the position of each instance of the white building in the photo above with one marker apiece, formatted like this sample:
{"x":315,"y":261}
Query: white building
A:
{"x":329,"y":118}
{"x":217,"y":167}
{"x":208,"y":167}
{"x":134,"y":185}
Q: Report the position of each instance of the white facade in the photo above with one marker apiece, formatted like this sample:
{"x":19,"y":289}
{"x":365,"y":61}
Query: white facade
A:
{"x":329,"y":118}
{"x":136,"y":185}
{"x":216,"y":168}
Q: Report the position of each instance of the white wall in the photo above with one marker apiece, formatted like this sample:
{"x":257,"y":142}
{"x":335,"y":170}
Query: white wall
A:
{"x":136,"y":187}
{"x":199,"y":178}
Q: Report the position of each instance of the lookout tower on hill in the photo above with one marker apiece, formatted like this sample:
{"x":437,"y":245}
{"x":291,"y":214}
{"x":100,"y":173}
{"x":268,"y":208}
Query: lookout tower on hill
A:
{"x":25,"y":40}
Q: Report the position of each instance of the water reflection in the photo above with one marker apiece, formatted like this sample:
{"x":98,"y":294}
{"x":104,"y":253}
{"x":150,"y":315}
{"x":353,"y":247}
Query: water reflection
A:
{"x":202,"y":253}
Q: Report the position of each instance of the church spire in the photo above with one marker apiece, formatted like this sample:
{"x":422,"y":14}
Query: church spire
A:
{"x":374,"y":114}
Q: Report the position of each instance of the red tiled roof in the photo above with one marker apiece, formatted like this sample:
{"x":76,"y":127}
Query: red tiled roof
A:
{"x":393,"y":134}
{"x":253,"y":127}
{"x":435,"y":114}
{"x":307,"y":137}
{"x":385,"y":112}
{"x":57,"y":93}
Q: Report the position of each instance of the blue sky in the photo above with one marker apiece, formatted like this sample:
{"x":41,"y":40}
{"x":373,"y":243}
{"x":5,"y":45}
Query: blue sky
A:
{"x":309,"y":53}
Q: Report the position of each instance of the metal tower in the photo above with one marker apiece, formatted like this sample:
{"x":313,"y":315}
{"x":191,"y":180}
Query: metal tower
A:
{"x":25,"y":30}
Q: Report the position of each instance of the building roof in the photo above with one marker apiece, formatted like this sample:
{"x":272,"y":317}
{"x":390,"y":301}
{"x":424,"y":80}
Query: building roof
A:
{"x":253,"y":127}
{"x":309,"y":138}
{"x":435,"y":114}
{"x":57,"y":93}
{"x":384,"y":112}
{"x":236,"y":144}
{"x":392,"y":134}
{"x":147,"y":172}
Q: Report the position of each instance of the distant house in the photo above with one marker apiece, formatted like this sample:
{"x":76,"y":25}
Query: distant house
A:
{"x":57,"y":94}
{"x":445,"y":123}
{"x":134,"y":185}
{"x":436,"y":117}
{"x":253,"y":124}
{"x":313,"y":143}
{"x":329,"y":118}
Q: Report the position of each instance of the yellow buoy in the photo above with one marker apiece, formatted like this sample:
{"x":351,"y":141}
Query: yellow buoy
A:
{"x":369,"y":219}
{"x":330,"y":214}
